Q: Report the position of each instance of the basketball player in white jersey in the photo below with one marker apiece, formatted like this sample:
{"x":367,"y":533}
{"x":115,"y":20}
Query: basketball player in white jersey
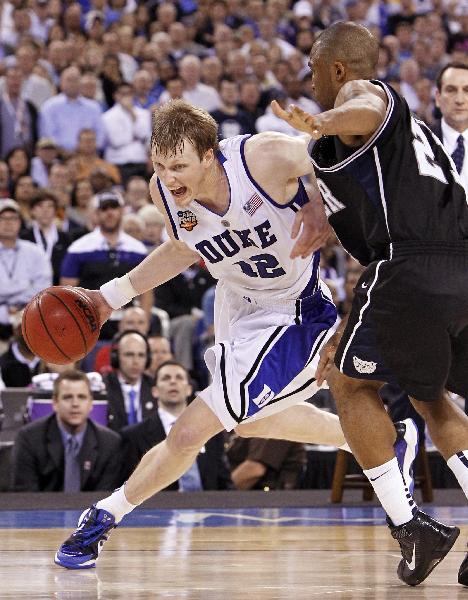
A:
{"x":233,"y":205}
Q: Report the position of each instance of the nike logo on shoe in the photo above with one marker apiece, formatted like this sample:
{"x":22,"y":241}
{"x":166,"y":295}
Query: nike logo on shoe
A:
{"x":412,"y":565}
{"x":381,"y":475}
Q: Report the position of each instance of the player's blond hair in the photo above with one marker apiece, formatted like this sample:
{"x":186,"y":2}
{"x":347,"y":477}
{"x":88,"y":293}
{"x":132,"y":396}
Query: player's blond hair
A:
{"x":177,"y":121}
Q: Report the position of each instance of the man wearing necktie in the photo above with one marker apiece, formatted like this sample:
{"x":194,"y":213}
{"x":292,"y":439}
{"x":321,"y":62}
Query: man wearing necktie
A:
{"x":128,"y":387}
{"x":452,"y":100}
{"x":66,"y":451}
{"x":172,"y":389}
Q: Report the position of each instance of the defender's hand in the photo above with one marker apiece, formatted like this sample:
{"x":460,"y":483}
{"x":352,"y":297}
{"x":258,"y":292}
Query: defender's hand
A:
{"x":299,"y":119}
{"x":315,"y":229}
{"x":327,"y":358}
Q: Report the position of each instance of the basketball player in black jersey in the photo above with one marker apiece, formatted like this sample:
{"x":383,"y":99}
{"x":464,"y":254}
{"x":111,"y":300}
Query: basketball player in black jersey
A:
{"x":395,"y":201}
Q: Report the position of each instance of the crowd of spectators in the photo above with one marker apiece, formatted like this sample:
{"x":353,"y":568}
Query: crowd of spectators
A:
{"x":78,"y":83}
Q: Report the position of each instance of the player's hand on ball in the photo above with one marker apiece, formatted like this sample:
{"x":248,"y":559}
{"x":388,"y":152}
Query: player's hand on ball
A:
{"x":103,"y":309}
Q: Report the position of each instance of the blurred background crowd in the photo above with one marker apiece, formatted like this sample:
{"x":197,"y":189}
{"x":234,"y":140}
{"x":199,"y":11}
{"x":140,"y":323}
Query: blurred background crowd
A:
{"x":78,"y":83}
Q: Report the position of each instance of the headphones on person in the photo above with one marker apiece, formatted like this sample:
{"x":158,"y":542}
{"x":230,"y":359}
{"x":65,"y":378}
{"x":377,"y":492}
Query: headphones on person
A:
{"x":114,"y":353}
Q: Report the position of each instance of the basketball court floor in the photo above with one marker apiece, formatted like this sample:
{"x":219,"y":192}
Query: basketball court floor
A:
{"x":224,"y":554}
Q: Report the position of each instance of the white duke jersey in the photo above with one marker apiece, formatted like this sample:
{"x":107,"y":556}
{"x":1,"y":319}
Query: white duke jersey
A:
{"x":249,"y":246}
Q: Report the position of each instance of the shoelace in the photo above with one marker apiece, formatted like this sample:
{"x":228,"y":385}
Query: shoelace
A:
{"x":86,"y":534}
{"x":78,"y":545}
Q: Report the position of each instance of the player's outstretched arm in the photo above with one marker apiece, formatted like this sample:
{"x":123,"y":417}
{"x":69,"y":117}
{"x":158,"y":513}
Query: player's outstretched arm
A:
{"x":164,"y":263}
{"x":359,"y":110}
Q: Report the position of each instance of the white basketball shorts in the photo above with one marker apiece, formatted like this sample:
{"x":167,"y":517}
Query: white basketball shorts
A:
{"x":264,"y":361}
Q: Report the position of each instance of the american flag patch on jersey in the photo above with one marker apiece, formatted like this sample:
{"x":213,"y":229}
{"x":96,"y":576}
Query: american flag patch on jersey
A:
{"x":252,"y":204}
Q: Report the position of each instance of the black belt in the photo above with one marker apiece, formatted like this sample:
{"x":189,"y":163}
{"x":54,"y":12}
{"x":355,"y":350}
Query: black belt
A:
{"x":409,"y":248}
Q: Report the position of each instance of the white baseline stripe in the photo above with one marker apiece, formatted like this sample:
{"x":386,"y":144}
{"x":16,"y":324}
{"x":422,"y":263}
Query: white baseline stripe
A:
{"x":361,"y":314}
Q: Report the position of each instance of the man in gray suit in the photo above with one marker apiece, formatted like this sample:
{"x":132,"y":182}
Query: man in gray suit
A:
{"x":66,"y":451}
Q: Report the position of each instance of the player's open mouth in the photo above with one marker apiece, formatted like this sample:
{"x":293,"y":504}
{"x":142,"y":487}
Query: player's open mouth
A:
{"x":179,"y":192}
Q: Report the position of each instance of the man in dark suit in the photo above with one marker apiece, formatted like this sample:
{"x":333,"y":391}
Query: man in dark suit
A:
{"x":44,"y":231}
{"x":452,"y":101}
{"x":66,"y":451}
{"x":172,"y":389}
{"x":128,"y":388}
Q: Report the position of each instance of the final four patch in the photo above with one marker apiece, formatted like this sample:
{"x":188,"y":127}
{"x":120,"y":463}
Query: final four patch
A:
{"x":187,"y":220}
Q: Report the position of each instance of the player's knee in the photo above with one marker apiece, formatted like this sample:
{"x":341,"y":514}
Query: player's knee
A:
{"x":431,"y":411}
{"x":346,"y":390}
{"x":184,"y":439}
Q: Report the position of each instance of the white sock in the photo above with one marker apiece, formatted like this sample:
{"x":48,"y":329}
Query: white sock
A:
{"x":346,"y":448}
{"x":459,"y":465}
{"x":117,"y":504}
{"x":389,"y":487}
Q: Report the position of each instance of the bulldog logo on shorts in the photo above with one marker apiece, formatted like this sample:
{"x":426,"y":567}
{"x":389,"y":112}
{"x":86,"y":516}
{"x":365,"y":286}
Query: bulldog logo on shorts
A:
{"x":364,"y":366}
{"x":187,"y":220}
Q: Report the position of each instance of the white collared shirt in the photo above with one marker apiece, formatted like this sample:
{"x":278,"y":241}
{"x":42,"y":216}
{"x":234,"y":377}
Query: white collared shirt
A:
{"x":167,"y":419}
{"x":25,"y":270}
{"x":50,"y":237}
{"x":450,"y":137}
{"x":128,"y":139}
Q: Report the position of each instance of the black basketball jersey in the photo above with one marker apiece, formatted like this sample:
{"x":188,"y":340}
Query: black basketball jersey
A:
{"x":400,"y":186}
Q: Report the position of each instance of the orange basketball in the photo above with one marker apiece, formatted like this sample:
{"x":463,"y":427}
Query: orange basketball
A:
{"x":60,"y":325}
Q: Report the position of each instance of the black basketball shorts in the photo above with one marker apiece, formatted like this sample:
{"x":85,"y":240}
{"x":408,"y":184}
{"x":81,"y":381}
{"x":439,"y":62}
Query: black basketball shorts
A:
{"x":409,"y":321}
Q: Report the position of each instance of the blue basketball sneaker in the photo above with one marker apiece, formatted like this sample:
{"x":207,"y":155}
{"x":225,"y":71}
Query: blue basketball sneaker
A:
{"x":81,"y":549}
{"x":406,"y":449}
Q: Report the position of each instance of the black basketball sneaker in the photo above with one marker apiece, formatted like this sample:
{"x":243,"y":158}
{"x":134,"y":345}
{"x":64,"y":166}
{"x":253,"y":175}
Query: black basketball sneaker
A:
{"x":463,"y":572}
{"x":424,"y":542}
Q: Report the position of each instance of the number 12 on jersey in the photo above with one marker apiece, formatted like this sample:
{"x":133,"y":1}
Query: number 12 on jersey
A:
{"x":265,"y":266}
